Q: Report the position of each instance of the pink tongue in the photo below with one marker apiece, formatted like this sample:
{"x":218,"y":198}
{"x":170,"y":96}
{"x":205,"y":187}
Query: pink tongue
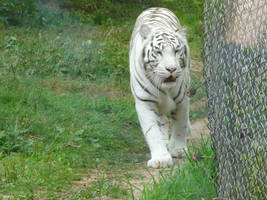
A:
{"x":169,"y":79}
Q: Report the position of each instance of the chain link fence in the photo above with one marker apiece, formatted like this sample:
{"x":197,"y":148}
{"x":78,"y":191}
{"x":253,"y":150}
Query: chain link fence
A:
{"x":235,"y":60}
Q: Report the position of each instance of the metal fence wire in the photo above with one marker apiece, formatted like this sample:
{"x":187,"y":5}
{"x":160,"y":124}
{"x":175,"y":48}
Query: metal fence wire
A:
{"x":235,"y":55}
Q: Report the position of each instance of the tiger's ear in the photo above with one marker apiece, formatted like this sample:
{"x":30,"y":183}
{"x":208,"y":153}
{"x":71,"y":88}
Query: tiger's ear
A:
{"x":182,"y":31}
{"x":144,"y":31}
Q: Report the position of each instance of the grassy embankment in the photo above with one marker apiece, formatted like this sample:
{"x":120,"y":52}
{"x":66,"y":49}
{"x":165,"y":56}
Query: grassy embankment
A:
{"x":66,"y":108}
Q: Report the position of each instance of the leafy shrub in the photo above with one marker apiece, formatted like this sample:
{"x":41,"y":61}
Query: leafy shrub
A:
{"x":14,"y":11}
{"x":102,"y":11}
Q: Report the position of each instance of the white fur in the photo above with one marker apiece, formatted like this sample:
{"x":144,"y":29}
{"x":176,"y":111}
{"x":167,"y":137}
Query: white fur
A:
{"x":153,"y":107}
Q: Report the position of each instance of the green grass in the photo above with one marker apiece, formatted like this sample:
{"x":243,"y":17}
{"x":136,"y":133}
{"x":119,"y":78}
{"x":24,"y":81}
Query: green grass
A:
{"x":46,"y":134}
{"x":65,"y":103}
{"x":194,"y":180}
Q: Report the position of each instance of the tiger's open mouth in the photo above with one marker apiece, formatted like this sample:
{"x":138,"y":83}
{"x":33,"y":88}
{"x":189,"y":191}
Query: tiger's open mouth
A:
{"x":170,"y":79}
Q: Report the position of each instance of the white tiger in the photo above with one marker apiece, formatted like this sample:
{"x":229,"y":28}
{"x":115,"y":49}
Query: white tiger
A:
{"x":160,"y":77}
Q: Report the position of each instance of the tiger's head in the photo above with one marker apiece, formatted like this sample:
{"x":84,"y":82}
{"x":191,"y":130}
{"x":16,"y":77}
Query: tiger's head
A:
{"x":165,"y":55}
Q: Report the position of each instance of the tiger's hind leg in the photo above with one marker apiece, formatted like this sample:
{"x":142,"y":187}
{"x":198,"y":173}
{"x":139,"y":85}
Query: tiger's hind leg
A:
{"x":180,"y":129}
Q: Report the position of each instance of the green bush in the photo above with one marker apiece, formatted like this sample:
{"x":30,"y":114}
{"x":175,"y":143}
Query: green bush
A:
{"x":102,"y":12}
{"x":13,"y":12}
{"x":93,"y":5}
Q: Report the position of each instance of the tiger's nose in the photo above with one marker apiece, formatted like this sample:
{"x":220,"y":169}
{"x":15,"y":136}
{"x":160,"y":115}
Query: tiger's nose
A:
{"x":171,"y":69}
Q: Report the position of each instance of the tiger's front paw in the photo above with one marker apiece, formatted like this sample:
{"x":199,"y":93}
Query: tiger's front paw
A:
{"x":160,"y":161}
